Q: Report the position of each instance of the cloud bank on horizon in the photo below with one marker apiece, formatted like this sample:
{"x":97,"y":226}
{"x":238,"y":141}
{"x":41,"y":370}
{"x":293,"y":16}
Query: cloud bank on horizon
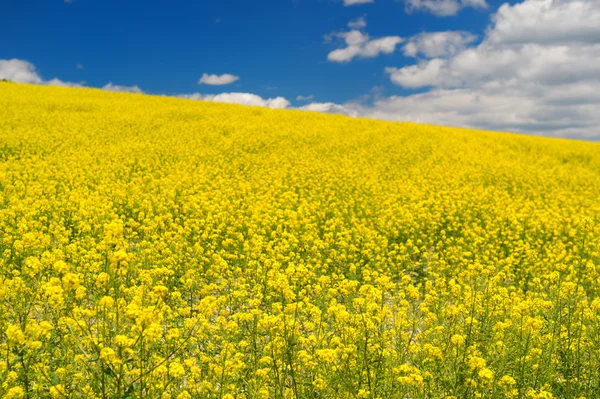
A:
{"x":240,"y":98}
{"x":534,"y":69}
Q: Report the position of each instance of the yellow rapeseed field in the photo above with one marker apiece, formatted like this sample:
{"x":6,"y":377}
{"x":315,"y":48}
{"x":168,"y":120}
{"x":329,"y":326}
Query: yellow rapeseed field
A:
{"x":155,"y":247}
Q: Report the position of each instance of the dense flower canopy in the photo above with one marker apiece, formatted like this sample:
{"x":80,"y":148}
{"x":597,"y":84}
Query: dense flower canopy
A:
{"x":166,"y":248}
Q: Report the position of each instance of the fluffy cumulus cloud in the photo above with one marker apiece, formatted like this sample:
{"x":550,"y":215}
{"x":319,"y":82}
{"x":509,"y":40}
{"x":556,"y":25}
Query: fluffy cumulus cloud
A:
{"x":536,"y":70}
{"x":547,"y":22}
{"x":437,"y":44}
{"x":350,"y":109}
{"x":123,"y":89}
{"x":305,"y":98}
{"x":442,"y":8}
{"x":357,"y":2}
{"x":427,"y":73}
{"x":218,"y":80}
{"x":241,"y":98}
{"x":545,"y":51}
{"x":22,"y":71}
{"x":360,"y":45}
{"x":19,"y":71}
{"x":58,"y":82}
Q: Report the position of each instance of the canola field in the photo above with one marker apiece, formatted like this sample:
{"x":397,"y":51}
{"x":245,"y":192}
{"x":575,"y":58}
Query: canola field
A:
{"x":155,"y":247}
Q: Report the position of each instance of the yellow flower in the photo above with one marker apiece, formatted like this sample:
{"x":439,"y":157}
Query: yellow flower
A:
{"x":176,"y":370}
{"x":14,"y":393}
{"x":160,"y":291}
{"x":124,"y":341}
{"x":110,"y":356}
{"x":57,"y":391}
{"x":184,"y":395}
{"x":14,"y":334}
{"x":60,"y":266}
{"x":102,"y":279}
{"x":458,"y":339}
{"x":507,"y":381}
{"x":476,"y":363}
{"x":486,"y":375}
{"x":106,"y":302}
{"x":70,"y":281}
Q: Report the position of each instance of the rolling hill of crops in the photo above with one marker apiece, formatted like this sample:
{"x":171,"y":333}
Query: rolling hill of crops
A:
{"x":155,"y":247}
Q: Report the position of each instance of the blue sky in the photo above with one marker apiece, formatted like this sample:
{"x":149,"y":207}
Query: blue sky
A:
{"x":276,"y":48}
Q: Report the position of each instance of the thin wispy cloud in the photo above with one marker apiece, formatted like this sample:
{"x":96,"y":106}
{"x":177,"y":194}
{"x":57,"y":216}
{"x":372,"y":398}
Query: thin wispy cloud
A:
{"x":357,"y":2}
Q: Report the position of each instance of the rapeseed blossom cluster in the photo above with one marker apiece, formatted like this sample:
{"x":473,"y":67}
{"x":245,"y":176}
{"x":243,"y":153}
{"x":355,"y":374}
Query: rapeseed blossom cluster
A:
{"x":154,"y":247}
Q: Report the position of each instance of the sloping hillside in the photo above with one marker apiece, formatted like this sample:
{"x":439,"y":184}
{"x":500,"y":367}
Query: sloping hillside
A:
{"x":166,"y":248}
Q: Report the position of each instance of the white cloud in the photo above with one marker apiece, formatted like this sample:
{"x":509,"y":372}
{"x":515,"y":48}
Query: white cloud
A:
{"x":427,"y":73}
{"x":442,"y":8}
{"x":218,"y":80}
{"x":19,"y":71}
{"x":437,"y":44}
{"x":359,"y":45}
{"x":574,"y":116}
{"x":528,"y":57}
{"x":240,"y":98}
{"x":547,"y":22}
{"x":543,"y":79}
{"x":356,"y":2}
{"x":58,"y":82}
{"x":350,"y":109}
{"x":124,"y":89}
{"x":22,"y":71}
{"x":305,"y":98}
{"x":358,"y":23}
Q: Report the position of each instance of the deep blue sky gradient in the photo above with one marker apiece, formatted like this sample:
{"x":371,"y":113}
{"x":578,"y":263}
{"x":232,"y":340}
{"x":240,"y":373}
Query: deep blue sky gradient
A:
{"x":276,"y":47}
